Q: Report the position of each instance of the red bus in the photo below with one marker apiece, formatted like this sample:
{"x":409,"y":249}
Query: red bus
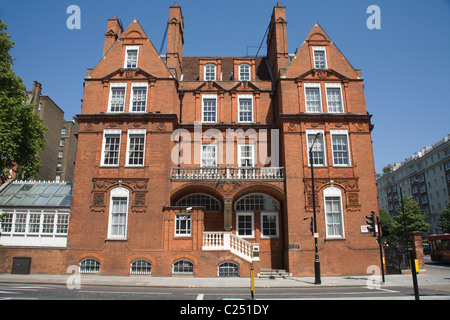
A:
{"x":440,"y":247}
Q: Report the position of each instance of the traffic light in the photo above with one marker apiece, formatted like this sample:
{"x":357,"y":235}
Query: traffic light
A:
{"x":371,"y":224}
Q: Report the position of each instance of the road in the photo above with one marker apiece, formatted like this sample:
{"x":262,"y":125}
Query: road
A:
{"x":22,"y":291}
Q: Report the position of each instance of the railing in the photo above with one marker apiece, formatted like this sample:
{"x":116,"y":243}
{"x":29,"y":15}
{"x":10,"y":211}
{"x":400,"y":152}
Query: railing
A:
{"x":228,"y":173}
{"x":227,"y":241}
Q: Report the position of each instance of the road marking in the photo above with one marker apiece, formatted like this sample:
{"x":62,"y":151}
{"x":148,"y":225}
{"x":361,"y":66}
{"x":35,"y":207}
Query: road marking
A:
{"x":200,"y":297}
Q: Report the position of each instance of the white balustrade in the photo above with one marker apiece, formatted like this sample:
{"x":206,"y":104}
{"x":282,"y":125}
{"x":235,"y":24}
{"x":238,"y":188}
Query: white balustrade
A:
{"x":227,"y":241}
{"x":227,"y":173}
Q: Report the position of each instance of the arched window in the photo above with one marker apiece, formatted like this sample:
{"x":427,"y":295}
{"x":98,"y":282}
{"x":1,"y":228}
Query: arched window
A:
{"x":333,"y":213}
{"x":89,"y":265}
{"x":228,"y":269}
{"x":183,"y":266}
{"x":244,"y":72}
{"x":199,"y":200}
{"x":118,"y":211}
{"x":257,"y":202}
{"x":210,"y":72}
{"x":141,"y":267}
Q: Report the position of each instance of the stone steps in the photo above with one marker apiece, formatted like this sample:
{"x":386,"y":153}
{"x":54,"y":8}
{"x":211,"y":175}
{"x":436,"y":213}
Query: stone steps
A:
{"x":273,"y":273}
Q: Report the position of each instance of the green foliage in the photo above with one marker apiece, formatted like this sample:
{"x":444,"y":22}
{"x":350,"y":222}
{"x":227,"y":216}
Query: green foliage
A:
{"x":444,"y":219}
{"x":21,"y":130}
{"x":412,"y":219}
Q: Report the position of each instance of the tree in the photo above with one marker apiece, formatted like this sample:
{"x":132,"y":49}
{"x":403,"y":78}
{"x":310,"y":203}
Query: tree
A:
{"x":21,"y":129}
{"x":412,"y":219}
{"x":444,"y":219}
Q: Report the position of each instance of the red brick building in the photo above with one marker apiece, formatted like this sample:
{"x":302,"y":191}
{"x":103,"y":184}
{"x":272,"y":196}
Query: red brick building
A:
{"x":199,"y":165}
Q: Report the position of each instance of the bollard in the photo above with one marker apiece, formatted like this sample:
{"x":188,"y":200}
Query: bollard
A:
{"x":252,"y":283}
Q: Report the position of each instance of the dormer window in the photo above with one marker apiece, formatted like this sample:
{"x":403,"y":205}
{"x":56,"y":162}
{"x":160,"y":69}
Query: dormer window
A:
{"x":210,"y":72}
{"x":320,"y":59}
{"x":131,"y":58}
{"x":244,"y":72}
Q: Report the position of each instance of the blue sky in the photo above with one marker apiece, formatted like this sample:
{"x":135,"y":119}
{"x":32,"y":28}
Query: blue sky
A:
{"x":405,"y":64}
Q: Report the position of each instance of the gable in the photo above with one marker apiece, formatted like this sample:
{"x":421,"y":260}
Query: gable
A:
{"x":304,"y":58}
{"x":149,"y":61}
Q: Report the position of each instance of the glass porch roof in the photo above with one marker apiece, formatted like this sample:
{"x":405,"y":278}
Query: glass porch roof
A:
{"x":36,"y":194}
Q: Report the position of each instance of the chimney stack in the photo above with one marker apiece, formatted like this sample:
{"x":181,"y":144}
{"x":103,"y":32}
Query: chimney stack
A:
{"x":114,"y":30}
{"x":175,"y":40}
{"x":277,"y":52}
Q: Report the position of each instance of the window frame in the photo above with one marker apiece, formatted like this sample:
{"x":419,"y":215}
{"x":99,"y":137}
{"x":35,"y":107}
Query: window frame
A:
{"x":209,"y":97}
{"x":341,"y":133}
{"x":277,"y":228}
{"x":324,"y":149}
{"x":113,"y":86}
{"x":334,"y":86}
{"x":183,"y":231}
{"x":131,"y":48}
{"x":189,"y":262}
{"x":324,"y":50}
{"x":135,"y":132}
{"x":250,"y":214}
{"x":205,"y":72}
{"x":118,"y":193}
{"x":240,"y":158}
{"x":111,"y":132}
{"x":215,"y":154}
{"x":315,"y":86}
{"x":242,"y":97}
{"x":241,"y":72}
{"x":229,"y":265}
{"x":138,"y":85}
{"x":333,"y":192}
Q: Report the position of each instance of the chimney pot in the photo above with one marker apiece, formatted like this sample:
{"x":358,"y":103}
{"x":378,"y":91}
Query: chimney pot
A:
{"x":175,"y":4}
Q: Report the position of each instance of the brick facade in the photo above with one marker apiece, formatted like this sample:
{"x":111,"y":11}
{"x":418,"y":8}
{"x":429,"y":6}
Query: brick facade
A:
{"x":177,"y":97}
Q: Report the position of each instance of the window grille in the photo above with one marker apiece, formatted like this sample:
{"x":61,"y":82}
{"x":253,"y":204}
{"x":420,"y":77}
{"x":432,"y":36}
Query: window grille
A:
{"x":90,"y":266}
{"x":183,"y":267}
{"x":228,"y":269}
{"x":257,"y":202}
{"x":141,"y":267}
{"x":199,"y":200}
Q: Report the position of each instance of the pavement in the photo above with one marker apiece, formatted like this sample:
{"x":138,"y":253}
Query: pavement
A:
{"x":404,"y":280}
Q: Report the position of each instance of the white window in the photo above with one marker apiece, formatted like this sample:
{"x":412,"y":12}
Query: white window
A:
{"x":228,"y":269}
{"x":89,"y":266}
{"x":246,"y":155}
{"x":340,"y":145}
{"x":318,"y":150}
{"x":118,"y":212}
{"x":269,"y":224}
{"x":209,"y":110}
{"x":244,"y":221}
{"x":210,"y":72}
{"x":333,"y":213}
{"x":61,"y":142}
{"x":141,"y":267}
{"x":63,"y":131}
{"x":117,"y":97}
{"x":209,"y":155}
{"x":111,"y":147}
{"x":313,"y":99}
{"x":136,"y":147}
{"x":334,"y":98}
{"x":183,"y":267}
{"x":245,"y":108}
{"x":244,"y":72}
{"x":131,"y":58}
{"x":60,"y":154}
{"x":183,"y":224}
{"x":320,"y":60}
{"x":138,"y":101}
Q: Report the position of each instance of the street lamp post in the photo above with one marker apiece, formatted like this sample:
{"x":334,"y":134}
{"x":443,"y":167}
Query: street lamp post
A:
{"x":316,"y":254}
